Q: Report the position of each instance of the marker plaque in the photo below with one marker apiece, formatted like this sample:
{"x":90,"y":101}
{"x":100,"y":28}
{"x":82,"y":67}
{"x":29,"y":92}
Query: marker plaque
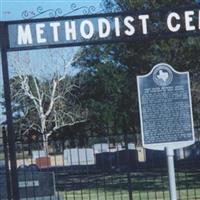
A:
{"x":165,"y":108}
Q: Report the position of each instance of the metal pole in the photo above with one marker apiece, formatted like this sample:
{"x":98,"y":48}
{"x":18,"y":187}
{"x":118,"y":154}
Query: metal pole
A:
{"x":10,"y":129}
{"x":171,"y":173}
{"x":6,"y":162}
{"x":130,"y":190}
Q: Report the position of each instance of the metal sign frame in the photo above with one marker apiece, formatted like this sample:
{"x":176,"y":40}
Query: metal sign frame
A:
{"x":5,"y":48}
{"x":159,"y":13}
{"x":171,"y":145}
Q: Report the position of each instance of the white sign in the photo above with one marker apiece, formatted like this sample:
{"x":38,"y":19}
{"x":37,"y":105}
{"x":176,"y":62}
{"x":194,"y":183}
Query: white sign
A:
{"x":124,"y":26}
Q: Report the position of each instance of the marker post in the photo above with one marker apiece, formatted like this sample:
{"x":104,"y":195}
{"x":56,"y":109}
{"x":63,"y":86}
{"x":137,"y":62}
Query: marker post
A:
{"x":171,"y":173}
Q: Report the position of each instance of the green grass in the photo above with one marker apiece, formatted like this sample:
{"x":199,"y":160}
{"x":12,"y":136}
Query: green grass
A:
{"x":145,"y":186}
{"x":100,"y":194}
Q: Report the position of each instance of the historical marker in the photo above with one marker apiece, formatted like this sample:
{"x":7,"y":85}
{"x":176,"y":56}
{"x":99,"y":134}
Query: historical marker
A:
{"x":165,"y":108}
{"x":166,"y":113}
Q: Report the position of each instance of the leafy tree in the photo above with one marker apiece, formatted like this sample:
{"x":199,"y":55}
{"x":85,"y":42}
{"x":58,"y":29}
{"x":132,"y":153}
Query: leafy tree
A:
{"x":110,"y":70}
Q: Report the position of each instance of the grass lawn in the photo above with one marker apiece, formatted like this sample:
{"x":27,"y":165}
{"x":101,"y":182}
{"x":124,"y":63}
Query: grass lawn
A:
{"x":100,"y":194}
{"x":148,"y":186}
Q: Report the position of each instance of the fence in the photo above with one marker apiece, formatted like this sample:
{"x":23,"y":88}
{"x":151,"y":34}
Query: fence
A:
{"x":110,"y":167}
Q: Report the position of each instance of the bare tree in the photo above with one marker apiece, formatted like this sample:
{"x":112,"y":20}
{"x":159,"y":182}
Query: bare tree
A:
{"x":46,"y":96}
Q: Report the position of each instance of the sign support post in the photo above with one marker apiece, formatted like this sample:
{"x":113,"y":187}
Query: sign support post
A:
{"x":166,"y":114}
{"x":171,"y":172}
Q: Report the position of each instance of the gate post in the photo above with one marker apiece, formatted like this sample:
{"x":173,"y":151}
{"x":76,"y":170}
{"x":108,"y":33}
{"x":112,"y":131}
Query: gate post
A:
{"x":11,"y":134}
{"x":5,"y":148}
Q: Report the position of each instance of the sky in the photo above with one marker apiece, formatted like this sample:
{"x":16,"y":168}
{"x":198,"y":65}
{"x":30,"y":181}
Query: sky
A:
{"x":13,"y":9}
{"x":23,"y":9}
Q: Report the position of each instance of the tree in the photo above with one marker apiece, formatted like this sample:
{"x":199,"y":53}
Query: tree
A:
{"x":44,"y":100}
{"x":107,"y":88}
{"x":111,"y":68}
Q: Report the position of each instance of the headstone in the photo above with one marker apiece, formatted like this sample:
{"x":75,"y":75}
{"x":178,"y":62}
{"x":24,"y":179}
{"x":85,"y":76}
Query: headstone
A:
{"x":78,"y":156}
{"x":165,"y":108}
{"x":101,"y":147}
{"x":36,"y":185}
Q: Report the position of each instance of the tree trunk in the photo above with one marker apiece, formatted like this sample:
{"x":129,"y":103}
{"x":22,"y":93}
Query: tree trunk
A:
{"x":43,"y":131}
{"x":45,"y":143}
